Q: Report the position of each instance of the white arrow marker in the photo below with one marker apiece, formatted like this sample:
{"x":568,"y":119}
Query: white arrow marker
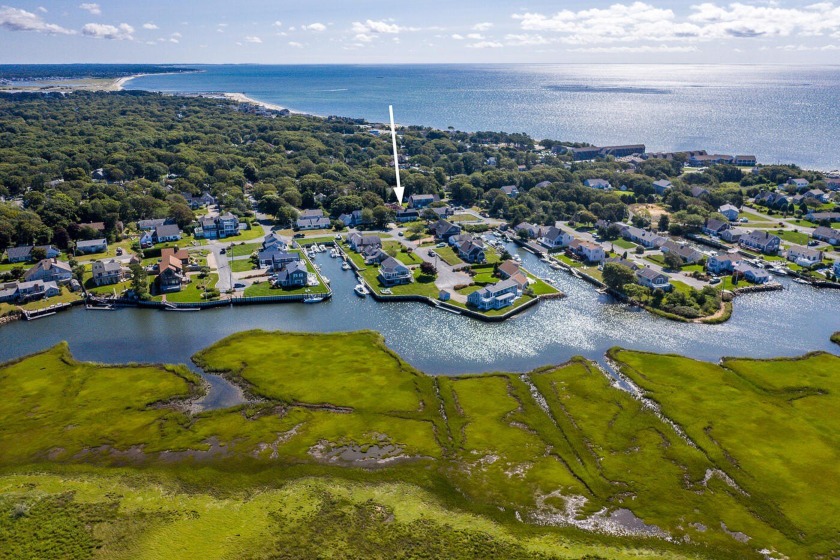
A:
{"x":398,"y":190}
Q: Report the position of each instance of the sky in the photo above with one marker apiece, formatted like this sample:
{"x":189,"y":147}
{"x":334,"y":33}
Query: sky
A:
{"x":421,"y":31}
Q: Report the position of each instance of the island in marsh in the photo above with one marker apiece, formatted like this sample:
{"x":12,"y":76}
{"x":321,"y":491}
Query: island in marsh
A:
{"x":348,"y":450}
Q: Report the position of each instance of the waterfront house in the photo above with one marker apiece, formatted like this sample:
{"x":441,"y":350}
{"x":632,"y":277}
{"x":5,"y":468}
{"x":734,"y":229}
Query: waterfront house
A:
{"x":24,"y":253}
{"x":36,"y":289}
{"x":293,"y":274}
{"x":661,"y":186}
{"x":731,"y":212}
{"x":832,"y":183}
{"x":374,"y":254}
{"x":723,"y":263}
{"x":702,"y":159}
{"x":407,"y":215}
{"x":751,"y":273}
{"x":92,"y":246}
{"x":733,"y":234}
{"x":8,"y":291}
{"x":110,"y":272}
{"x":312,"y":219}
{"x":496,"y":296}
{"x":623,"y":262}
{"x":714,"y":227}
{"x":393,"y":272}
{"x":507,"y":269}
{"x":49,"y":270}
{"x":357,"y":241}
{"x":799,"y":183}
{"x":351,"y":219}
{"x":171,"y":269}
{"x":593,"y":152}
{"x":652,"y":279}
{"x":556,"y":238}
{"x":823,"y":216}
{"x":274,"y":241}
{"x":601,"y":184}
{"x":761,"y":241}
{"x":587,"y":250}
{"x":419,"y":201}
{"x":533,"y":230}
{"x":642,"y":237}
{"x":443,"y":230}
{"x":510,"y":190}
{"x":827,"y":234}
{"x":803,"y":256}
{"x":275,"y":257}
{"x":166,"y":232}
{"x":471,"y":250}
{"x":745,"y":161}
{"x":687,"y":253}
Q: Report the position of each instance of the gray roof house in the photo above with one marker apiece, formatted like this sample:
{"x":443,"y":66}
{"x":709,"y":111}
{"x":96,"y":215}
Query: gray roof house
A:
{"x":661,"y":186}
{"x":92,"y":246}
{"x":597,"y":183}
{"x":444,"y":230}
{"x":293,"y":275}
{"x":827,"y":234}
{"x":49,"y":270}
{"x":496,"y":296}
{"x":652,"y":279}
{"x":761,"y":241}
{"x":24,"y":253}
{"x":393,"y":272}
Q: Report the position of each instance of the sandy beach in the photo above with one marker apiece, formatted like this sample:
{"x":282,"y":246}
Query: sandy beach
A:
{"x":242,"y":98}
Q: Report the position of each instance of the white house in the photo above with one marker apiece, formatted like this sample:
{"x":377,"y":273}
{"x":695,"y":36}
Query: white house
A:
{"x":555,"y":238}
{"x":496,"y":296}
{"x":652,"y":279}
{"x":392,"y":272}
{"x":804,"y":256}
{"x":731,"y":212}
{"x":588,"y":250}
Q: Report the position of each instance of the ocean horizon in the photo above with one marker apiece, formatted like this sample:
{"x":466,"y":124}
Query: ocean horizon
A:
{"x":779,"y":113}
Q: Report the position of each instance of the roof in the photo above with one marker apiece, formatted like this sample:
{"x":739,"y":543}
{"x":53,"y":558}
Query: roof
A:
{"x":98,"y":226}
{"x":19,"y":252}
{"x":48,"y":264}
{"x":758,"y":235}
{"x":663,"y":183}
{"x":509,"y":189}
{"x":146,"y":224}
{"x":601,"y":182}
{"x":727,"y":207}
{"x":649,"y":273}
{"x":392,"y":264}
{"x":91,"y":243}
{"x":716,"y":225}
{"x":805,"y":252}
{"x":509,"y":267}
{"x":826,"y":232}
{"x":167,"y":230}
{"x":313,"y":213}
{"x":113,"y":266}
{"x":553,"y":233}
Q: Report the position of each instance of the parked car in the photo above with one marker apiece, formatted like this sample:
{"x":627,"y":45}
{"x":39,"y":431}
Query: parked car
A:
{"x":299,"y":235}
{"x":432,"y":254}
{"x":119,"y":251}
{"x":239,"y":285}
{"x":400,"y":234}
{"x":223,"y":251}
{"x":714,"y":280}
{"x":440,"y":245}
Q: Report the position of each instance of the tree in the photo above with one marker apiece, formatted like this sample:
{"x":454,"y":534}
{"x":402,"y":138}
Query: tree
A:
{"x":664,"y":221}
{"x":428,"y":268}
{"x":139,"y":281}
{"x":617,"y":275}
{"x":381,"y":216}
{"x":38,"y":254}
{"x":672,"y":260}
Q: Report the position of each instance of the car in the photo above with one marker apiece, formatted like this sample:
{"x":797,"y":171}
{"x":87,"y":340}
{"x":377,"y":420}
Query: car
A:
{"x":813,"y":242}
{"x":432,"y":253}
{"x":119,"y":251}
{"x":440,"y":245}
{"x":223,"y":251}
{"x":400,"y":234}
{"x":744,"y":220}
{"x":714,"y":280}
{"x":239,"y":285}
{"x":299,"y":235}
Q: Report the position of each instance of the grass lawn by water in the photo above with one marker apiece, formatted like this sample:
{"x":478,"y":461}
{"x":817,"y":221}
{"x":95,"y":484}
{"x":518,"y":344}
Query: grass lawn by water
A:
{"x":447,"y":254}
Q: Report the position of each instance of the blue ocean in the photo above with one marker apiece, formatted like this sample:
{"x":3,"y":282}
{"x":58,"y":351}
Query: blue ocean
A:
{"x":781,"y":114}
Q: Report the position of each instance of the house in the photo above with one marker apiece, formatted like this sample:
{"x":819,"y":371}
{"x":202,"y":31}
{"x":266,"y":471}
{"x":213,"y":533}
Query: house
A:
{"x":444,"y":230}
{"x":597,"y":183}
{"x":274,"y":241}
{"x":510,"y":190}
{"x":542,"y":185}
{"x":228,"y":225}
{"x":722,"y":263}
{"x":95,"y":226}
{"x":652,"y":279}
{"x":715,"y":227}
{"x":218,"y":227}
{"x":393,"y":272}
{"x":8,"y":292}
{"x":833,"y":183}
{"x":312,"y":219}
{"x":419,"y":201}
{"x":623,"y":262}
{"x":745,"y":161}
{"x":761,"y":241}
{"x":587,"y":250}
{"x":36,"y":289}
{"x":687,"y":253}
{"x":374,"y":254}
{"x":751,"y":273}
{"x":731,"y":212}
{"x":533,"y":230}
{"x":697,"y":192}
{"x":799,"y":183}
{"x":592,"y":152}
{"x":49,"y":270}
{"x":293,"y":274}
{"x":642,"y":237}
{"x":150,"y":225}
{"x":823,"y":216}
{"x":98,"y":174}
{"x":803,"y":256}
{"x":147,"y":239}
{"x":556,"y":238}
{"x":24,"y":253}
{"x":733,"y":234}
{"x":407,"y":215}
{"x":166,"y":232}
{"x":275,"y":257}
{"x":358,"y":241}
{"x":351,"y":219}
{"x":661,"y":186}
{"x":110,"y":272}
{"x":772,"y":199}
{"x":496,"y":296}
{"x":702,"y":160}
{"x":443,"y":211}
{"x":171,"y":269}
{"x":196,"y":202}
{"x":508,"y":269}
{"x":472,"y":250}
{"x":827,"y":234}
{"x":92,"y":246}
{"x":817,"y":194}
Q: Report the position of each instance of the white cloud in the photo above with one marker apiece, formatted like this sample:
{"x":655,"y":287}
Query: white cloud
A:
{"x":475,"y":36}
{"x":295,"y":44}
{"x":253,"y":39}
{"x":483,"y":26}
{"x":92,"y":8}
{"x":15,"y":19}
{"x":278,"y":23}
{"x":457,"y":37}
{"x":42,"y":9}
{"x":486,"y":45}
{"x":364,"y":38}
{"x":802,"y":48}
{"x":639,"y":49}
{"x":123,"y":32}
{"x":708,"y":21}
{"x":314,"y":27}
{"x":176,"y":35}
{"x":149,"y":25}
{"x":525,"y":39}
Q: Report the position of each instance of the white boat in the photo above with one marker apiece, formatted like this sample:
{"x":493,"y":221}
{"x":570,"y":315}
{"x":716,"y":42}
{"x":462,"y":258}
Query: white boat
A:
{"x":555,"y":266}
{"x":345,"y":266}
{"x":313,"y":298}
{"x":361,"y":290}
{"x":334,"y":253}
{"x":800,"y":281}
{"x":326,"y":280}
{"x":517,"y":258}
{"x":545,"y":258}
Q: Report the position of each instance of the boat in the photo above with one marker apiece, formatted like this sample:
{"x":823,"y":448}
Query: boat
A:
{"x":326,"y":280}
{"x":313,"y":298}
{"x":545,"y":258}
{"x":361,"y":290}
{"x":555,"y":266}
{"x":548,"y":280}
{"x":345,"y":266}
{"x":517,"y":258}
{"x":800,"y":281}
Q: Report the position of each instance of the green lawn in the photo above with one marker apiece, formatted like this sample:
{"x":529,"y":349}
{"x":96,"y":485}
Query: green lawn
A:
{"x":624,"y":244}
{"x":192,"y":292}
{"x":567,"y":260}
{"x":464,"y":218}
{"x":400,"y":253}
{"x":245,"y":235}
{"x":793,"y":236}
{"x":752,"y":217}
{"x":242,"y":265}
{"x":263,"y":289}
{"x":447,"y":254}
{"x":422,"y":285}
